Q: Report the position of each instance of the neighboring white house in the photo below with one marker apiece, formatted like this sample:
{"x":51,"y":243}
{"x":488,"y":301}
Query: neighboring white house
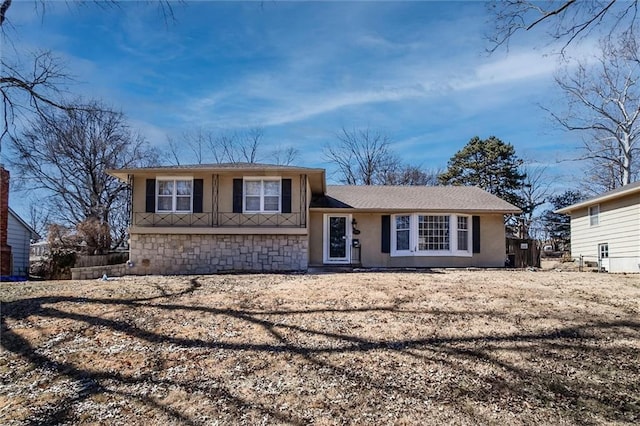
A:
{"x":606,"y":228}
{"x":19,"y":236}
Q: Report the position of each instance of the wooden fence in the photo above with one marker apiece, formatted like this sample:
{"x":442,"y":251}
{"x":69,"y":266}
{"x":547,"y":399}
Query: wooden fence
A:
{"x":523,"y":253}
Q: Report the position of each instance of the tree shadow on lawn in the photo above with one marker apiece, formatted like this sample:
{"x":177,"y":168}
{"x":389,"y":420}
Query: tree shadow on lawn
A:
{"x":588,"y":395}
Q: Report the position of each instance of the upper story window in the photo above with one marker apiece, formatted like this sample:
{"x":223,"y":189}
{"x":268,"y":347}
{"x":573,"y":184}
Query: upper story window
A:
{"x":174,"y":195}
{"x":594,"y":215}
{"x":262,"y":195}
{"x":430,"y":235}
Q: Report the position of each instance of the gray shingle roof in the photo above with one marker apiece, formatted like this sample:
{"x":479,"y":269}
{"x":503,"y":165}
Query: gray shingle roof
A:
{"x":414,"y":198}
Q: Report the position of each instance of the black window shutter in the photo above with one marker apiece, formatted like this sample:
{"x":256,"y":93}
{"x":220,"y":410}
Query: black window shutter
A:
{"x":386,"y":234}
{"x":198,"y":192}
{"x":475,"y":229}
{"x":237,"y":195}
{"x":286,"y":196}
{"x":150,"y":204}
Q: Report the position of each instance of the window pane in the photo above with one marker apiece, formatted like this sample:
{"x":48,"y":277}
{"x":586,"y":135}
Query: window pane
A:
{"x":271,"y":187}
{"x":463,"y":240}
{"x":183,"y":187}
{"x":402,"y":222}
{"x":183,"y":204}
{"x":603,"y":250}
{"x":463,"y":233}
{"x":252,"y":204}
{"x":252,"y":187}
{"x":433,"y":233}
{"x":337,"y":240}
{"x":271,"y":204}
{"x":165,"y":187}
{"x":164,"y":204}
{"x":402,"y":240}
{"x":594,"y":213}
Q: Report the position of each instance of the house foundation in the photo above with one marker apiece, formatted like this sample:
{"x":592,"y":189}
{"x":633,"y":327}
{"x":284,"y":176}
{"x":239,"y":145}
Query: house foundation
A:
{"x":209,"y":254}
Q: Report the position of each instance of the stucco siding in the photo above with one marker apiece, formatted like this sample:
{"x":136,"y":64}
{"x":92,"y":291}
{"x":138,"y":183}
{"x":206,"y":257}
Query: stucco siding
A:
{"x":492,"y":252}
{"x":619,"y":227}
{"x":217,"y":208}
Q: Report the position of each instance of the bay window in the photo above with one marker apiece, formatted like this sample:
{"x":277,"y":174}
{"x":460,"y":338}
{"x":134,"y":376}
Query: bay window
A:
{"x":433,"y":233}
{"x":430,"y":235}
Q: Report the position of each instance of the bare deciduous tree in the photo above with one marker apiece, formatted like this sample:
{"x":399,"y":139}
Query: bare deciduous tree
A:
{"x":363,"y":157}
{"x":25,"y":92}
{"x":563,"y":21}
{"x":28,"y":86}
{"x":601,"y":174}
{"x":409,"y":175}
{"x":65,"y":154}
{"x":244,"y":146}
{"x":38,"y":218}
{"x":534,"y":192}
{"x":284,"y":156}
{"x":604,"y":105}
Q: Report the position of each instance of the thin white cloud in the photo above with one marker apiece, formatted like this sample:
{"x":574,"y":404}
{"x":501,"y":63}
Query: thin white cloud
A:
{"x":515,"y":67}
{"x":286,"y":97}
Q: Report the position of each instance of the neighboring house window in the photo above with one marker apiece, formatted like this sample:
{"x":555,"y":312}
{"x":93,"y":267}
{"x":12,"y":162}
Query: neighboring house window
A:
{"x":603,"y":251}
{"x":430,"y":235}
{"x":262,"y":195}
{"x":433,"y":233}
{"x":594,"y":215}
{"x":463,"y":233}
{"x":174,"y":195}
{"x":403,"y":226}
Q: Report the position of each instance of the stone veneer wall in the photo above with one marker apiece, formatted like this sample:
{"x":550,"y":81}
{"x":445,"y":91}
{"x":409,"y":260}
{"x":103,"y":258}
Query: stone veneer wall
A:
{"x":209,"y":254}
{"x":93,"y":272}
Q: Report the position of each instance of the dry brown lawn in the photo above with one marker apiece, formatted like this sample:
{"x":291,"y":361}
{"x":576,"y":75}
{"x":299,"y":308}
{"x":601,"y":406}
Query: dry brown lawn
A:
{"x":440,"y":347}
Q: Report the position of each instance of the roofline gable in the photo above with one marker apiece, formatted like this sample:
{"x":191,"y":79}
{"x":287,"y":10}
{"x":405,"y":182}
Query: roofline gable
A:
{"x":23,"y":223}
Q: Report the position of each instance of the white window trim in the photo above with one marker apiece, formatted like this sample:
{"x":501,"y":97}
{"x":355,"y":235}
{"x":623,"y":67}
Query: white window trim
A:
{"x":394,"y":236}
{"x":413,"y":236}
{"x":454,"y":235}
{"x":325,"y":238}
{"x":597,"y":216}
{"x":174,"y":195}
{"x":262,"y":179}
{"x":602,"y":246}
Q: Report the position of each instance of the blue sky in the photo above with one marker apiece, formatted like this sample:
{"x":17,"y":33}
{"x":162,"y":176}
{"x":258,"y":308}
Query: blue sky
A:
{"x":415,"y":71}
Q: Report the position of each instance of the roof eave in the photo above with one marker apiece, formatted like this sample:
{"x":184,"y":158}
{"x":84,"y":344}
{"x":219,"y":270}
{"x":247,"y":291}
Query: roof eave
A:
{"x":596,"y":200}
{"x":413,"y":209}
{"x":318,"y":185}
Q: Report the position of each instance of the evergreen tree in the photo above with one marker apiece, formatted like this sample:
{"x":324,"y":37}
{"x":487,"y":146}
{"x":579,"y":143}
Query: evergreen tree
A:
{"x":489,"y":164}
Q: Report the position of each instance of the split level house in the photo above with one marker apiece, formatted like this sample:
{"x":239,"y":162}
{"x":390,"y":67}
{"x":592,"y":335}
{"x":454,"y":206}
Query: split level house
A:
{"x":260,"y":217}
{"x":606,"y":229}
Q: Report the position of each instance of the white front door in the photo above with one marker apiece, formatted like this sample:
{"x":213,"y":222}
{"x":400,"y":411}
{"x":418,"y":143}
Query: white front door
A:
{"x":337,"y":238}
